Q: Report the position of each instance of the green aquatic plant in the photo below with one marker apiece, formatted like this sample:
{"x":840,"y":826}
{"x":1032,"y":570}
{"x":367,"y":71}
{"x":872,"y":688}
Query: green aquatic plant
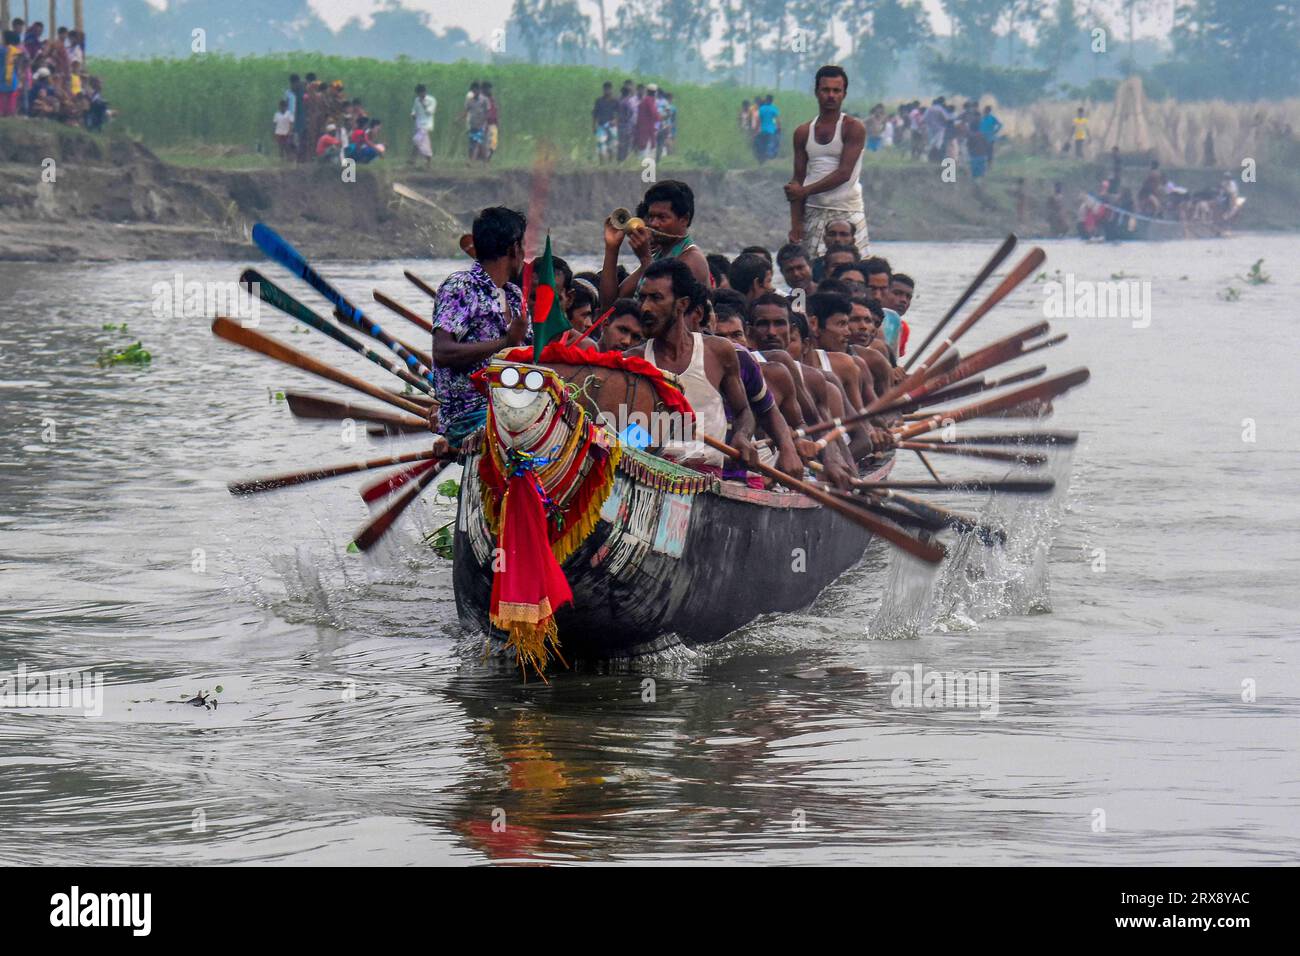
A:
{"x":449,"y":488}
{"x":1256,"y":275}
{"x":1230,"y":294}
{"x":441,"y":540}
{"x":110,"y":327}
{"x":133,"y":354}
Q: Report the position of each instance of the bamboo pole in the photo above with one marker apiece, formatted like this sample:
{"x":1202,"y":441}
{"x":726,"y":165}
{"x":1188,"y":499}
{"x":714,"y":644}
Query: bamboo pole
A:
{"x":78,"y":18}
{"x":4,"y":14}
{"x":52,"y":27}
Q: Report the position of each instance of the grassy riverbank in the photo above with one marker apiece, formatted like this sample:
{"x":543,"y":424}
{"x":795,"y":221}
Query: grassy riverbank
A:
{"x":191,"y":106}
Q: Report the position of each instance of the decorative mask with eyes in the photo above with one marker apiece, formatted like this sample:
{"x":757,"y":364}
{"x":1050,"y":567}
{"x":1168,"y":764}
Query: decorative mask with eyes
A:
{"x":524,"y":400}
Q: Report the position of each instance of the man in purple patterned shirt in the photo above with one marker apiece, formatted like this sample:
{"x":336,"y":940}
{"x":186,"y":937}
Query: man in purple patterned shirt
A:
{"x":478,"y":313}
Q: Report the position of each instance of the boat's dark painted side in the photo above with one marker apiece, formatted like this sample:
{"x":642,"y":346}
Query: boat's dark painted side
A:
{"x":661,"y":568}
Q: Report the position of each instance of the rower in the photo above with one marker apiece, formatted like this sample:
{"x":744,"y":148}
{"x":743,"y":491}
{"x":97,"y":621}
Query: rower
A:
{"x":864,"y":336}
{"x":891,"y":330}
{"x":828,"y":314}
{"x":702,"y":317}
{"x":667,"y":209}
{"x":705,"y":365}
{"x":796,"y":269}
{"x":750,"y":275}
{"x":622,"y":330}
{"x":477,"y":313}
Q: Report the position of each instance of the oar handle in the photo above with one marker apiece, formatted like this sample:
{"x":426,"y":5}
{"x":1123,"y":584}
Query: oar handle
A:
{"x":271,"y":243}
{"x":1032,"y":260}
{"x":314,"y":406}
{"x":255,"y":341}
{"x":404,"y":312}
{"x":420,"y":284}
{"x":1042,"y":391}
{"x":272,"y":482}
{"x":377,"y":527}
{"x":273,"y":295}
{"x":926,"y":551}
{"x":1002,"y":251}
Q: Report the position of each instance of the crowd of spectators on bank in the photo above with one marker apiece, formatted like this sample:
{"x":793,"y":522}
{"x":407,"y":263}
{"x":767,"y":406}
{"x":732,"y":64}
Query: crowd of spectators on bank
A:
{"x":46,"y":78}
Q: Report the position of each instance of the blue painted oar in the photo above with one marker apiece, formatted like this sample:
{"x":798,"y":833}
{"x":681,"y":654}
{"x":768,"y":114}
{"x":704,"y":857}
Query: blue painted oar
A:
{"x":271,"y":243}
{"x":272,"y":294}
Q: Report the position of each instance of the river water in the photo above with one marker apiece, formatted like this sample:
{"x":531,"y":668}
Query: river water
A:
{"x":1141,"y":627}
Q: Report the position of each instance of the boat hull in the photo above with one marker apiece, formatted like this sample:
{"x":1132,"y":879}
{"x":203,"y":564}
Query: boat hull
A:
{"x":662,"y":568}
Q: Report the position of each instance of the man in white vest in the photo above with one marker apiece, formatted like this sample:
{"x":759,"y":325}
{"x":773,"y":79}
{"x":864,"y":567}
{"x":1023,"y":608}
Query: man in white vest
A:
{"x":827,"y":166}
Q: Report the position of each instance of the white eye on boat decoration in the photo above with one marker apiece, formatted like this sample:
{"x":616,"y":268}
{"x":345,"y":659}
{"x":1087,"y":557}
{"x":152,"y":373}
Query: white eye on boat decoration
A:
{"x":532,"y":381}
{"x":510,"y":376}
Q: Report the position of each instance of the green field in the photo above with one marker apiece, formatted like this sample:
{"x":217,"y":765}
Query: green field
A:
{"x":214,"y":110}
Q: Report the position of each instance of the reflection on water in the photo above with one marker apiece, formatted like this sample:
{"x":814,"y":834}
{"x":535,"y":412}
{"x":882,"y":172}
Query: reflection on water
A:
{"x":1126,"y":620}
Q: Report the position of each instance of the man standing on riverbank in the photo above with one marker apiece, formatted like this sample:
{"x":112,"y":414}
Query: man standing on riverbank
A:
{"x":604,"y":123}
{"x":422,"y":113}
{"x":477,"y":313}
{"x":827,"y":165}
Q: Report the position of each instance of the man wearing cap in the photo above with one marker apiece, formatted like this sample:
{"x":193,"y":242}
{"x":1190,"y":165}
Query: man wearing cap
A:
{"x":329,"y":144}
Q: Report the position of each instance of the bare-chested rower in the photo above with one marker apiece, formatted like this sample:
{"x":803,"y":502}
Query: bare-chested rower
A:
{"x":705,"y":365}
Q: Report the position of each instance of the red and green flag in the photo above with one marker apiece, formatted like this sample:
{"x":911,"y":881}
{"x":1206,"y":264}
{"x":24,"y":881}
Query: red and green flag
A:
{"x":549,"y":320}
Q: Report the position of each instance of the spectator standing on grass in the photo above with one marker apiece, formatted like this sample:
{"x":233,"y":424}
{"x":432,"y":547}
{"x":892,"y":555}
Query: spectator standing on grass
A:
{"x":1080,"y":124}
{"x":769,"y":129}
{"x":32,"y":41}
{"x":604,"y":123}
{"x":11,"y":79}
{"x":283,"y":123}
{"x":989,"y":128}
{"x":476,"y":112}
{"x":493,"y":121}
{"x":422,"y":114}
{"x":292,"y":93}
{"x":647,"y":121}
{"x":627,"y":105}
{"x":97,"y":114}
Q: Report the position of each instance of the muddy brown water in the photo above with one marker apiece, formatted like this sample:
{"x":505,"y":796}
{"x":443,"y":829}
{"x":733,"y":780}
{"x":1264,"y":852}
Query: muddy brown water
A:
{"x":1141,"y":627}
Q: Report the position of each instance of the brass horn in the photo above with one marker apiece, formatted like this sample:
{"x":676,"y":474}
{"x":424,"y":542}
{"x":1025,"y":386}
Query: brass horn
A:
{"x":620,"y":218}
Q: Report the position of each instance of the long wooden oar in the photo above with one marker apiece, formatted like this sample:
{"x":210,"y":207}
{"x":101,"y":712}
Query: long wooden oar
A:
{"x":1025,"y":458}
{"x":966,"y":389}
{"x":1054,"y":340}
{"x":1032,"y":260}
{"x":1043,"y":391}
{"x":994,"y":354}
{"x":420,"y":283}
{"x":377,"y":527}
{"x":1009,"y":438}
{"x":1011,"y":486}
{"x":255,"y":341}
{"x":403,"y":311}
{"x":271,"y":293}
{"x":900,"y":517}
{"x":938,"y":517}
{"x":271,"y":243}
{"x":995,"y":260}
{"x":389,"y":483}
{"x":316,"y":406}
{"x":272,"y":482}
{"x":924,"y":550}
{"x":988,"y":534}
{"x":418,"y":352}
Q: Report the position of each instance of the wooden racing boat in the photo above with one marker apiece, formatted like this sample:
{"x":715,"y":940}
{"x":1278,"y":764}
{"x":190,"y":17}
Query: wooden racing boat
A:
{"x":656,"y":554}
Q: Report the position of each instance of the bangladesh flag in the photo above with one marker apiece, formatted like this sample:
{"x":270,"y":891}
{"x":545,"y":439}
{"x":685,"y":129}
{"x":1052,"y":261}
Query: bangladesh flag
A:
{"x":549,"y":320}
